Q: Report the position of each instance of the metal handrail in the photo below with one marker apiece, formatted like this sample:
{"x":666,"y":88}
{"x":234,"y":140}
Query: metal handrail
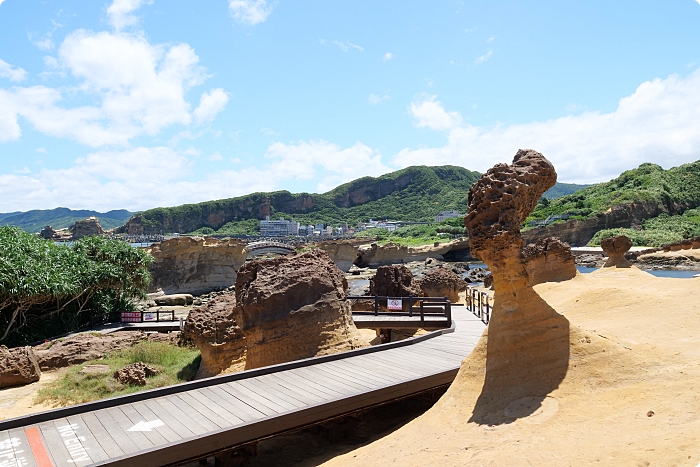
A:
{"x":478,"y":303}
{"x":447,"y":305}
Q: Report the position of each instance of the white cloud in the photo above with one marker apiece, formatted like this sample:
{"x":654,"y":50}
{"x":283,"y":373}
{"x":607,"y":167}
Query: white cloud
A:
{"x":346,"y":45}
{"x":388,"y":56}
{"x":1,"y":1}
{"x":431,"y":114}
{"x":491,"y":39}
{"x":375,"y":99}
{"x":483,"y":58}
{"x":10,"y":72}
{"x":120,"y":12}
{"x":250,"y":12}
{"x":658,"y":123}
{"x":41,"y":150}
{"x":135,"y":87}
{"x":22,"y":170}
{"x":210,"y":104}
{"x":215,"y":157}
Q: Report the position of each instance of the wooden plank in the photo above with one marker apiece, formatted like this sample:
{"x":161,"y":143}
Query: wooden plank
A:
{"x":400,"y":373}
{"x":138,"y":437}
{"x":184,"y":426}
{"x":58,"y":450}
{"x":266,"y":384}
{"x":127,"y":441}
{"x":92,"y":447}
{"x":302,"y":396}
{"x":297,"y":377}
{"x":284,"y":402}
{"x":312,"y":374}
{"x":196,"y":422}
{"x":22,"y":450}
{"x":360,"y":371}
{"x":230,"y":403}
{"x":335,"y":375}
{"x":147,"y":415}
{"x":219,"y":416}
{"x":242,"y":393}
{"x":107,"y":442}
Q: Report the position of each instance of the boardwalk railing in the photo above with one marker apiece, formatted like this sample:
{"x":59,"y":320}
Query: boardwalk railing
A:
{"x":479,"y":304}
{"x":410,"y":305}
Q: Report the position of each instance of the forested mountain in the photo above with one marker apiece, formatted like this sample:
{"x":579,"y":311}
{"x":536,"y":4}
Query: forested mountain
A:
{"x":416,"y":193}
{"x":59,"y":218}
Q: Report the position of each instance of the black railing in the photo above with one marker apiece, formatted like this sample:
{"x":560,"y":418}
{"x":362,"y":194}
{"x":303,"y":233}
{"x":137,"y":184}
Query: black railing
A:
{"x":479,"y":304}
{"x":411,"y":305}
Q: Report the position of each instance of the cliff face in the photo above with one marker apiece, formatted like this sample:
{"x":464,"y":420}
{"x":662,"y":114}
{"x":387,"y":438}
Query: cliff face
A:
{"x":374,"y":255}
{"x":195,"y":265}
{"x":579,"y":233}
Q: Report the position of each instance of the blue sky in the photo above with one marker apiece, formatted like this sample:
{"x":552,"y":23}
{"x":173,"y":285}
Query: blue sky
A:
{"x":136,"y":104}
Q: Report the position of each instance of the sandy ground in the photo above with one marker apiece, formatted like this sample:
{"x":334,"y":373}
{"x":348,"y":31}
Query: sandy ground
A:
{"x":19,"y":400}
{"x":628,"y":394}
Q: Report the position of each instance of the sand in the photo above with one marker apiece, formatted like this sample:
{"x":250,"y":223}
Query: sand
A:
{"x":628,"y":393}
{"x":19,"y":400}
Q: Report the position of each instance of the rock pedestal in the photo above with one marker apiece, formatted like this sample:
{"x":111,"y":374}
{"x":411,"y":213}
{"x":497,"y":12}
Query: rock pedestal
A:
{"x":527,"y":342}
{"x":615,"y":248}
{"x":549,"y":260}
{"x":18,"y":366}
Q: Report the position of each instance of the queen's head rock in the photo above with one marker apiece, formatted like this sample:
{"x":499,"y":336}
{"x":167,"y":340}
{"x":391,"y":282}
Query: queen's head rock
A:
{"x":615,"y":248}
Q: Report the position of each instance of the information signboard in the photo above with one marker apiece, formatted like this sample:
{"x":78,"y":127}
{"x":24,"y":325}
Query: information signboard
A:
{"x":130,"y":317}
{"x":394,"y":304}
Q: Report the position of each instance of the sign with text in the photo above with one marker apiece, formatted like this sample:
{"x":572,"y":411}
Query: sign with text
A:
{"x":130,"y":317}
{"x":394,"y":304}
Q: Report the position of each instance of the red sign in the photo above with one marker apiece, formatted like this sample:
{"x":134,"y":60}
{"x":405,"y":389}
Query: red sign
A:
{"x":394,"y":304}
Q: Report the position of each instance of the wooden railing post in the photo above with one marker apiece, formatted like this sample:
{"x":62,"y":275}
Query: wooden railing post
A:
{"x":376,"y":305}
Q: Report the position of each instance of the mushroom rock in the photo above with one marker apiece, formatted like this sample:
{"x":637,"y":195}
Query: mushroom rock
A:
{"x":18,"y":366}
{"x":527,"y":342}
{"x":290,"y":308}
{"x":441,"y":282}
{"x":549,"y":260}
{"x":214,"y":330}
{"x":615,"y":248}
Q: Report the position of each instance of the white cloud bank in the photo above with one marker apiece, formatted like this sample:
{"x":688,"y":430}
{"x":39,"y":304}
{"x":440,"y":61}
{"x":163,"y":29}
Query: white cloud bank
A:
{"x":132,"y":88}
{"x":120,"y":12}
{"x":658,"y":123}
{"x":10,"y":72}
{"x":250,"y":12}
{"x":142,"y":178}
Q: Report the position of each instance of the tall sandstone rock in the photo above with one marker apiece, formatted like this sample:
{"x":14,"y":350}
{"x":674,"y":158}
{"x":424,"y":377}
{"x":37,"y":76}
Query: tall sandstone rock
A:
{"x":195,"y":265}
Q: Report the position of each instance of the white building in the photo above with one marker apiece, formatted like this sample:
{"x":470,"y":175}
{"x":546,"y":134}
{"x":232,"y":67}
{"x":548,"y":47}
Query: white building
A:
{"x":278,"y":228}
{"x":446,"y":215}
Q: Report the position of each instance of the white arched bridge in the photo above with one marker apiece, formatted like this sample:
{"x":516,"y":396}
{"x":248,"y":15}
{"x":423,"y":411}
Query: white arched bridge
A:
{"x":265,"y":247}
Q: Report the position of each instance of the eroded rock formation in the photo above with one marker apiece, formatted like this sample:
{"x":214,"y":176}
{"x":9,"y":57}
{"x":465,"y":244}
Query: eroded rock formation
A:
{"x":524,"y":332}
{"x":18,"y":366}
{"x":615,"y":248}
{"x":441,"y":282}
{"x":343,"y":253}
{"x":394,"y":281}
{"x":549,"y":260}
{"x":374,"y":255}
{"x":214,"y":330}
{"x":135,"y":374}
{"x":195,"y":265}
{"x":86,"y":228}
{"x":290,"y":308}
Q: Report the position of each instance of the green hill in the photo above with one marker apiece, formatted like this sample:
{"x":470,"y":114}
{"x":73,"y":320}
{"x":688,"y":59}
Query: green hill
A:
{"x":59,"y":218}
{"x":676,"y":189}
{"x":416,"y":193}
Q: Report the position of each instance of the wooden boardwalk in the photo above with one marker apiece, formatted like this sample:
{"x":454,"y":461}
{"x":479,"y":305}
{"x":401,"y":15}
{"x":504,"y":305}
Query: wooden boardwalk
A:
{"x":188,"y":421}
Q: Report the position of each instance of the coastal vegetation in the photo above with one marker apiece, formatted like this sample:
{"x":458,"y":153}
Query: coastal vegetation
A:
{"x":47,"y":289}
{"x":657,"y":231}
{"x":414,"y":235}
{"x":675,"y":189}
{"x":174,"y":364}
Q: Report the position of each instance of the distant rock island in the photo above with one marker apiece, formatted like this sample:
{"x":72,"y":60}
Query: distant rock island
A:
{"x":62,"y":218}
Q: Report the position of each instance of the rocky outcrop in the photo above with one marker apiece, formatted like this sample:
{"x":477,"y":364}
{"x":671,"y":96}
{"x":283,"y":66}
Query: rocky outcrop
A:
{"x":373,"y":255}
{"x":524,"y":331}
{"x":83,"y":347}
{"x":135,"y":374}
{"x":549,"y":260}
{"x":615,"y":248}
{"x":214,"y":330}
{"x":48,"y":233}
{"x":477,"y":275}
{"x":441,"y":282}
{"x":18,"y":366}
{"x":86,"y":228}
{"x":343,"y":253}
{"x":394,"y":281}
{"x":290,"y":308}
{"x":195,"y":265}
{"x":180,"y":299}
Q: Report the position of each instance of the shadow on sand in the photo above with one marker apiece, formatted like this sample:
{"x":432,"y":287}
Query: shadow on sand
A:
{"x":527,"y":358}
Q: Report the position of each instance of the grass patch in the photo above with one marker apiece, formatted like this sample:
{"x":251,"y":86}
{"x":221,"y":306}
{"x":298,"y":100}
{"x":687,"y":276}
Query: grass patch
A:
{"x":176,"y":365}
